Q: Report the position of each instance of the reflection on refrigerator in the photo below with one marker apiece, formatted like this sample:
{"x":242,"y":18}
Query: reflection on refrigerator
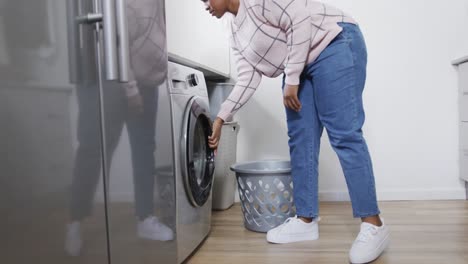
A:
{"x":79,"y":153}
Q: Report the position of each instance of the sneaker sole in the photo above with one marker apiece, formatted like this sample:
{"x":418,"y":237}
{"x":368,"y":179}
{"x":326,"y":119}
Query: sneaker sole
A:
{"x":295,"y":238}
{"x":381,"y":248}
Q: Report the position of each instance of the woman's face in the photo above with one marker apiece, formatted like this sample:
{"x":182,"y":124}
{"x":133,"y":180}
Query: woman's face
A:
{"x":216,"y":8}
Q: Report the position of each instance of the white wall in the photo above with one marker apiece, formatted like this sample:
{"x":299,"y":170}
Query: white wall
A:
{"x":197,"y":36}
{"x":410,"y":101}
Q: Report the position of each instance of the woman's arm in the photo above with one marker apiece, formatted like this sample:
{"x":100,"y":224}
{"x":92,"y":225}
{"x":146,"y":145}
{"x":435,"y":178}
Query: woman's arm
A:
{"x":248,"y":79}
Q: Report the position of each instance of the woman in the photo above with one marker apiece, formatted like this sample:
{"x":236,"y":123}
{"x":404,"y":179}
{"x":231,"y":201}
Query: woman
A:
{"x":322,"y":54}
{"x":132,"y":104}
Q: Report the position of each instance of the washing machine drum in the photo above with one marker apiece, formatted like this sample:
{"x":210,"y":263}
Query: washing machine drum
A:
{"x":197,"y":157}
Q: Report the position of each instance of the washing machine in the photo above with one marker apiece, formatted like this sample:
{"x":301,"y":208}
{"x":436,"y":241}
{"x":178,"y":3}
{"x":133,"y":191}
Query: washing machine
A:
{"x":193,"y":159}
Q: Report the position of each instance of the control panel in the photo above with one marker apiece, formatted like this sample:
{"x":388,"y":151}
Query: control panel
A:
{"x":185,"y":80}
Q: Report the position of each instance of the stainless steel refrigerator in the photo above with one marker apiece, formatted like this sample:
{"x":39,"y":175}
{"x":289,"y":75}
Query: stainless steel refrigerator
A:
{"x":83,"y":102}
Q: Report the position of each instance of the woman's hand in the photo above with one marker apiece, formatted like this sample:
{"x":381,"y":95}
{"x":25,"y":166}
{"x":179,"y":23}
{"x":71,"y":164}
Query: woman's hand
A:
{"x":213,"y":140}
{"x":290,"y":98}
{"x":135,"y":103}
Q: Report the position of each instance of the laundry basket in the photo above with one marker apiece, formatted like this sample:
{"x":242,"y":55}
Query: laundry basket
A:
{"x":266,"y":193}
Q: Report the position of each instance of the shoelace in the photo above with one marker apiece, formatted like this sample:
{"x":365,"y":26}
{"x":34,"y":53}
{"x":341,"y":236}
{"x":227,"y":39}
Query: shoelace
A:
{"x":286,"y":222}
{"x":367,"y":233}
{"x":290,"y":219}
{"x":295,"y":218}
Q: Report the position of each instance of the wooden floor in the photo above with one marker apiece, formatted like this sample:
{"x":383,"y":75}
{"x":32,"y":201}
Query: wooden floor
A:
{"x":421,"y":232}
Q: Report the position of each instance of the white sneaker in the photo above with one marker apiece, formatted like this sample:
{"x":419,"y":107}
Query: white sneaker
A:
{"x":293,"y":230}
{"x":73,"y":242}
{"x":370,"y":243}
{"x":152,"y":229}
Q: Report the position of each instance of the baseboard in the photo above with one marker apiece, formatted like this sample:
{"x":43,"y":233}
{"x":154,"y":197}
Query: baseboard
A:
{"x":401,"y":195}
{"x":336,"y":196}
{"x":466,"y":189}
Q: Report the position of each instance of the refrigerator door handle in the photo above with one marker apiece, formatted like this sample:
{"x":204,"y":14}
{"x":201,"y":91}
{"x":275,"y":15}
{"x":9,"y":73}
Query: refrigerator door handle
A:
{"x":90,"y":18}
{"x":116,"y":38}
{"x":110,"y":39}
{"x":73,"y":36}
{"x":123,"y":41}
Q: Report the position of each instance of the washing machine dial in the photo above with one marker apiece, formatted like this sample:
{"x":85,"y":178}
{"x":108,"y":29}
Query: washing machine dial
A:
{"x":192,"y":80}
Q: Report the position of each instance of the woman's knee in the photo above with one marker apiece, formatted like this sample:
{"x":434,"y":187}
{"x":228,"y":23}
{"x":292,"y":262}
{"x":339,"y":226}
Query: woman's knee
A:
{"x":347,"y":140}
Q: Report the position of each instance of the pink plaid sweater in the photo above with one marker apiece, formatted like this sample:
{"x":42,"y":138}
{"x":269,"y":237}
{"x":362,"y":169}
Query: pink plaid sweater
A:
{"x":271,"y":37}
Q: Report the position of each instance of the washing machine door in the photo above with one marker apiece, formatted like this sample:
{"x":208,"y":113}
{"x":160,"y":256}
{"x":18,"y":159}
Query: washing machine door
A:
{"x":197,"y":157}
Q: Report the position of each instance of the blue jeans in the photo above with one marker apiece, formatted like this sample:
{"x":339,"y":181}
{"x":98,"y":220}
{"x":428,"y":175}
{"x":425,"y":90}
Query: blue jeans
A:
{"x":330,"y":92}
